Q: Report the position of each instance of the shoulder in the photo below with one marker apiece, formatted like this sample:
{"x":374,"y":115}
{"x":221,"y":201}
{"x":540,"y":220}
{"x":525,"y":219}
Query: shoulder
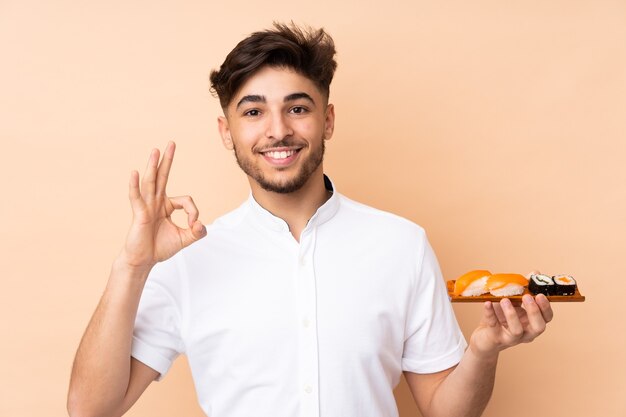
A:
{"x":227,"y":230}
{"x":377,"y":220}
{"x":389,"y":232}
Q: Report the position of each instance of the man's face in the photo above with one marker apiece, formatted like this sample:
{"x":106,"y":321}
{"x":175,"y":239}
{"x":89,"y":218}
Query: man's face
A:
{"x":276,"y":124}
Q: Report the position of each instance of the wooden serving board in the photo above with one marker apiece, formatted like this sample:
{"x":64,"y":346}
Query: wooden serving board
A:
{"x":577,"y":297}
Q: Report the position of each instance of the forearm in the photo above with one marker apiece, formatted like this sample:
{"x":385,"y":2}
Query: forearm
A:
{"x":466,"y":391}
{"x":101,"y":371}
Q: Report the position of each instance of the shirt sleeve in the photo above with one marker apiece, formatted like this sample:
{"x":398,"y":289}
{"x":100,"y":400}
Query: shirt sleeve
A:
{"x":434,"y":342}
{"x":156,"y":337}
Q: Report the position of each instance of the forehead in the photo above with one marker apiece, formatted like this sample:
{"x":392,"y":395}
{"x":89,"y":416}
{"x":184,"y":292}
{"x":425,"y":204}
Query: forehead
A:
{"x":275,"y":84}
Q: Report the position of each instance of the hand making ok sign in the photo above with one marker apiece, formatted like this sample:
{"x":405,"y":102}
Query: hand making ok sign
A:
{"x":153,"y":236}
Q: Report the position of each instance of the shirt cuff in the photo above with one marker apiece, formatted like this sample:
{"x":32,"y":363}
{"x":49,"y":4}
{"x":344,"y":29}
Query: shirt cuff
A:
{"x":149,"y":356}
{"x":438,"y":364}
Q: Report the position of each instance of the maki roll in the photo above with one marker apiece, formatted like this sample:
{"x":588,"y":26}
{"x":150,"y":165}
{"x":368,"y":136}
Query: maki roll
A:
{"x":564,"y":285}
{"x":541,"y":284}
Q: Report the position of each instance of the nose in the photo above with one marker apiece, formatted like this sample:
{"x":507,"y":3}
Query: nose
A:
{"x":278,"y":127}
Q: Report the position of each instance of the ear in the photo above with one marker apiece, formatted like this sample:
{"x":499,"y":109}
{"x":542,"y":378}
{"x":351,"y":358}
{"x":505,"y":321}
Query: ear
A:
{"x":329,"y":122}
{"x":224,"y":128}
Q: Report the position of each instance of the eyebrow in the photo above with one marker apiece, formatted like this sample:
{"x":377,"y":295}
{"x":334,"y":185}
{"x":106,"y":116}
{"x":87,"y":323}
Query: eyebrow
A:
{"x":255,"y":98}
{"x":252,"y":98}
{"x":297,"y":96}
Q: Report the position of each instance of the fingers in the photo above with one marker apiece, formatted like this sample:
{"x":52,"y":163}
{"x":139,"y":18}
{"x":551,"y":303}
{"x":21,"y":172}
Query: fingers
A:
{"x":196,"y":229}
{"x":514,"y":324}
{"x":511,"y":324}
{"x":497,"y":308}
{"x":148,"y":183}
{"x":156,"y":174}
{"x":186,"y":203}
{"x":536,"y":322}
{"x":134,"y":195}
{"x":545,"y":307}
{"x":164,"y":169}
{"x":195,"y":232}
{"x":133,"y":186}
{"x":489,"y":315}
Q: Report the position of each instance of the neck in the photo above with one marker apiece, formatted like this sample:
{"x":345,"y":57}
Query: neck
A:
{"x":295,"y":208}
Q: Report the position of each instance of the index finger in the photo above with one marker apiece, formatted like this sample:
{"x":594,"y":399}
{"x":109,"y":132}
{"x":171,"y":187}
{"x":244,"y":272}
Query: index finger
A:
{"x":164,"y":168}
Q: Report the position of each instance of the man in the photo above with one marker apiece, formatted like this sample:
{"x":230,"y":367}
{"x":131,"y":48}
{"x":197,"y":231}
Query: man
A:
{"x":300,"y":302}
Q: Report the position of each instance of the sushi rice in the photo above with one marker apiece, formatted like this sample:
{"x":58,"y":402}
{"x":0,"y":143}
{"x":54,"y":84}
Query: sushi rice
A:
{"x":476,"y":288}
{"x":508,"y":290}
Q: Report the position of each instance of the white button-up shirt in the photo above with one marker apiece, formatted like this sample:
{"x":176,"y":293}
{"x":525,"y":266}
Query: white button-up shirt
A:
{"x":324,"y":327}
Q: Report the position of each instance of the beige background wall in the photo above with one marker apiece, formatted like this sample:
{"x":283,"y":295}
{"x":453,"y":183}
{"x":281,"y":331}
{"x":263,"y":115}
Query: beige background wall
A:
{"x":499,"y":126}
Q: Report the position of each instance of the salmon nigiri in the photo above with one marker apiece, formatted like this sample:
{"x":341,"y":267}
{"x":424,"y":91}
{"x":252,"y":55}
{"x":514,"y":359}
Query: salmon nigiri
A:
{"x":504,"y":285}
{"x":472,"y":283}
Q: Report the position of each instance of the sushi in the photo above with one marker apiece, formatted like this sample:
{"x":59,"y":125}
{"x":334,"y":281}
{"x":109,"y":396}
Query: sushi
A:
{"x":541,"y":284}
{"x":505,"y":285}
{"x":471,"y":286}
{"x":472,"y":283}
{"x":564,"y":285}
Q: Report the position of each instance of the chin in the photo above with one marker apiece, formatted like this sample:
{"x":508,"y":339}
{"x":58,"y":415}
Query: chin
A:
{"x":284,"y":180}
{"x":283,"y":187}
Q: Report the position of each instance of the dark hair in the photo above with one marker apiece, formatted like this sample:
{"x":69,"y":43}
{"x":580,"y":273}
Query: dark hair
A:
{"x":308,"y":52}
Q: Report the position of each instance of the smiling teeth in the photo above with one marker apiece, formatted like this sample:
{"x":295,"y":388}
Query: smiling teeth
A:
{"x":280,"y":155}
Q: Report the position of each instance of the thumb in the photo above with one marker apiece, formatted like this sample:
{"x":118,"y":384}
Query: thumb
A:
{"x":196,"y":232}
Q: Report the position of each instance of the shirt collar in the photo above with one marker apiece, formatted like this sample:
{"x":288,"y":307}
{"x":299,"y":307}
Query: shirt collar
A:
{"x":324,"y":213}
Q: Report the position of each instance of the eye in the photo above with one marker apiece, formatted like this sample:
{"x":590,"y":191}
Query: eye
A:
{"x":298,"y":110}
{"x":252,"y":112}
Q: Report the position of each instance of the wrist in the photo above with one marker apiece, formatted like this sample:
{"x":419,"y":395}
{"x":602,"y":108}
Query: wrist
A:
{"x":122,"y":265}
{"x":485,"y":356}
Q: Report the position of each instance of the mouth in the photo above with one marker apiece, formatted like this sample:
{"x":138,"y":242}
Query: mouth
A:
{"x":281,"y":156}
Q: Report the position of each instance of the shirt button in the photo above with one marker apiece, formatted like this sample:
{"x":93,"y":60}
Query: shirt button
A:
{"x":302,"y":261}
{"x":308,"y":389}
{"x":306,"y":323}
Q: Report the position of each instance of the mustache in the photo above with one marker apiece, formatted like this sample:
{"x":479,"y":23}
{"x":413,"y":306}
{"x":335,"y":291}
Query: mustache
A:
{"x":283,"y":143}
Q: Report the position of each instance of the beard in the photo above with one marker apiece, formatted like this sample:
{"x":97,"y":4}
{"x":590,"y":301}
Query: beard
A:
{"x":307,"y":168}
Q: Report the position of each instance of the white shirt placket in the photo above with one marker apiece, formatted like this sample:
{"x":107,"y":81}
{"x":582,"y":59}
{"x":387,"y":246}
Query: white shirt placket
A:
{"x":307,"y":305}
